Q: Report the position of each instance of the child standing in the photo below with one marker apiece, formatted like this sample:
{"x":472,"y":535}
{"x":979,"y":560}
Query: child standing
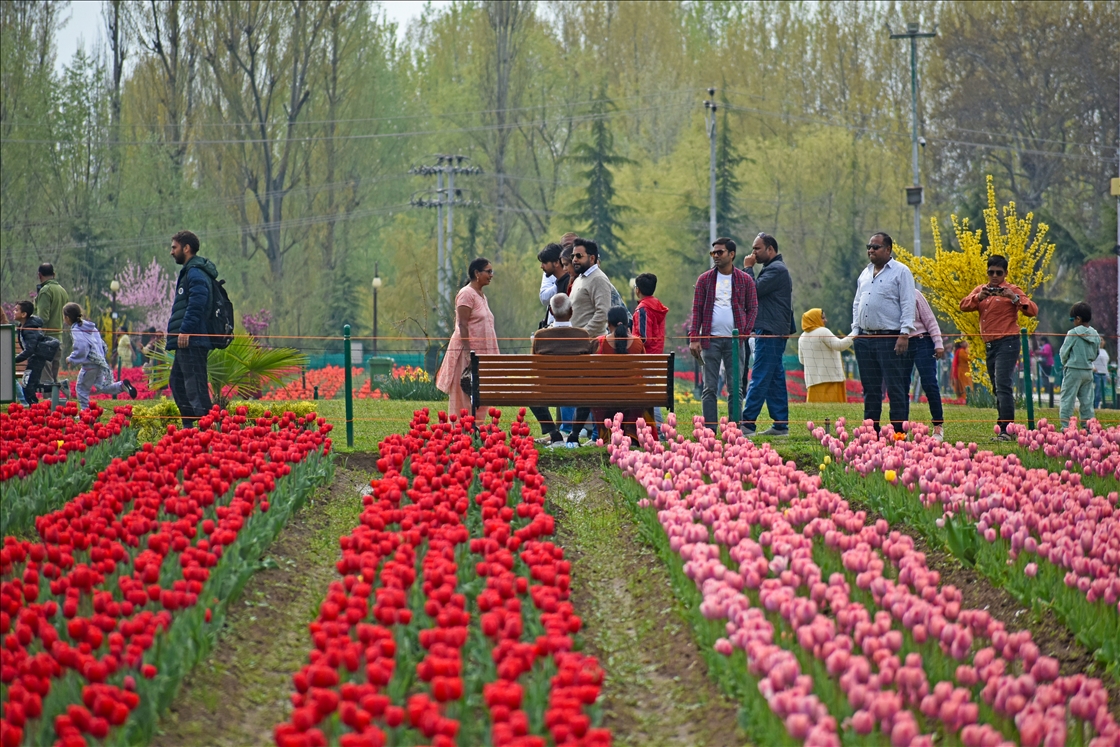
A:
{"x":1077,"y":355}
{"x":649,"y":322}
{"x":961,"y":369}
{"x":89,"y":352}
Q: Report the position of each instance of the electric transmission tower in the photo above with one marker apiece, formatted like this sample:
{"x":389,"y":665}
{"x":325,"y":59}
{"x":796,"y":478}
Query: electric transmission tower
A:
{"x":442,"y":198}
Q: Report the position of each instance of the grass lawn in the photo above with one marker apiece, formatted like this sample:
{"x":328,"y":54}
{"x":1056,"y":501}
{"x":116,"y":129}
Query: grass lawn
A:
{"x":375,"y":419}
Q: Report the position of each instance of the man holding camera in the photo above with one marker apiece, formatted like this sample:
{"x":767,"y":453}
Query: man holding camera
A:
{"x":999,"y":303}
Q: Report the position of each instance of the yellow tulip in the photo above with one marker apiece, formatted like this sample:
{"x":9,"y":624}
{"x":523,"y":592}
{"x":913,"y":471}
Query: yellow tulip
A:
{"x":891,"y":475}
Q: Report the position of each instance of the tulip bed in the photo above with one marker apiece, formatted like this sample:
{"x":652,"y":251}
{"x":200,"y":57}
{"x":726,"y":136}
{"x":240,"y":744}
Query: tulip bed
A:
{"x":1095,"y":452}
{"x":823,"y":622}
{"x":123,"y":592}
{"x":38,"y":473}
{"x":451,"y":624}
{"x":1041,"y":535}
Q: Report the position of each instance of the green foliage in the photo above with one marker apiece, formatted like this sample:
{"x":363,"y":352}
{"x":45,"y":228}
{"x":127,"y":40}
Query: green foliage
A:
{"x":410,"y":389}
{"x":241,"y":370}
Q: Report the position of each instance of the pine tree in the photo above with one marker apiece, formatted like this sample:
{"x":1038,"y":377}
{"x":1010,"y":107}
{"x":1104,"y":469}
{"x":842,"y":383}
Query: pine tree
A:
{"x":597,"y":210}
{"x":731,"y":219}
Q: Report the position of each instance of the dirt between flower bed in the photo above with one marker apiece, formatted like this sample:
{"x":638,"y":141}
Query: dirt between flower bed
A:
{"x":1052,"y":637}
{"x":657,"y":691}
{"x":236,"y":696}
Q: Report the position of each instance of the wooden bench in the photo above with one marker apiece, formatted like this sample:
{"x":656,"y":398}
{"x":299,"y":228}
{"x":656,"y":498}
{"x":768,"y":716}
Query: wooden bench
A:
{"x":618,"y":381}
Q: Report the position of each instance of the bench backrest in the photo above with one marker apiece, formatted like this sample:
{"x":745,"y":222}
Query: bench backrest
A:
{"x":624,"y":381}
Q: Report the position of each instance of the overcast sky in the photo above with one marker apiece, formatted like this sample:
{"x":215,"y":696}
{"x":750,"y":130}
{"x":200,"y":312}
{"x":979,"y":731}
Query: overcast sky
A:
{"x":86,"y":26}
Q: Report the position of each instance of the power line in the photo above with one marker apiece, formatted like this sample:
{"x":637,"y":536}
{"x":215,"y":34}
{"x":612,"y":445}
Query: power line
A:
{"x":573,"y":119}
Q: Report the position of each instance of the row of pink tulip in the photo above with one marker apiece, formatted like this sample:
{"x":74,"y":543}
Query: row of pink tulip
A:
{"x":1046,"y":514}
{"x":879,"y":642}
{"x":1095,"y":450}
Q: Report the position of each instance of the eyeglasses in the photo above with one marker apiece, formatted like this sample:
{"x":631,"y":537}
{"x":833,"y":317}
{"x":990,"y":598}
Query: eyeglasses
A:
{"x":874,"y":247}
{"x":490,"y":271}
{"x":578,"y":256}
{"x":997,"y":272}
{"x":717,"y":253}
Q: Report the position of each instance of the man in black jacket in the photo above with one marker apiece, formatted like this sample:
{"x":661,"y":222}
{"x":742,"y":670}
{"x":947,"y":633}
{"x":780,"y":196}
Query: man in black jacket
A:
{"x":773,"y":323}
{"x":38,"y":349}
{"x":187,"y":330}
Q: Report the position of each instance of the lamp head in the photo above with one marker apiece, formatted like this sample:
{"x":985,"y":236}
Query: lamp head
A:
{"x":376,"y":282}
{"x":115,"y":286}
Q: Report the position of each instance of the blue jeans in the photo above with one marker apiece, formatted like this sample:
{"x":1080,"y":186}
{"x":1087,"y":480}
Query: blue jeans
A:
{"x":1003,"y":356}
{"x":1098,"y":398}
{"x":718,"y":351}
{"x":921,"y":350}
{"x":567,"y":415}
{"x":768,"y":384}
{"x":879,"y":366}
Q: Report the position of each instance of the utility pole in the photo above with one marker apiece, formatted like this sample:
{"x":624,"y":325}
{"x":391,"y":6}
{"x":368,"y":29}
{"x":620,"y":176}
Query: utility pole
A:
{"x":710,"y":120}
{"x":1116,"y":250}
{"x":914,"y":193}
{"x":447,"y":197}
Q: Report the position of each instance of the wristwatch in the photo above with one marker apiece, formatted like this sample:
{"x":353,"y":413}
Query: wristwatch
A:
{"x":1015,"y":300}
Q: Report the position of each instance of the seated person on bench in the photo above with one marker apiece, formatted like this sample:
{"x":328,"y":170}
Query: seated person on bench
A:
{"x":559,"y":339}
{"x":619,"y":341}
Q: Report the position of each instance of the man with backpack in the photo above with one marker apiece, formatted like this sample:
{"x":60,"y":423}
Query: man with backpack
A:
{"x":189,"y":330}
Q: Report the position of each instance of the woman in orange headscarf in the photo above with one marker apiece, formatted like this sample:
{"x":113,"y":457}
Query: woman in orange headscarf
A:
{"x":961,"y":371}
{"x":819,"y":352}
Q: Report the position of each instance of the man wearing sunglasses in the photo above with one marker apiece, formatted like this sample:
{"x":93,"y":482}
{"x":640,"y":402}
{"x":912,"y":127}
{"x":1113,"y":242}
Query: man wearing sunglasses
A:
{"x":724,"y":300}
{"x":999,"y":304}
{"x":591,"y":290}
{"x":882,"y":320}
{"x":774,"y":322}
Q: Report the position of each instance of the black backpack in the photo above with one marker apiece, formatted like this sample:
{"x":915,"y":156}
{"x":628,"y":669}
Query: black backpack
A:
{"x":220,"y":323}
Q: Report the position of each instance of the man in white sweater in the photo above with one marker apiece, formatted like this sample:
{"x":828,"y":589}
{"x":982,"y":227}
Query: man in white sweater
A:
{"x":591,"y":291}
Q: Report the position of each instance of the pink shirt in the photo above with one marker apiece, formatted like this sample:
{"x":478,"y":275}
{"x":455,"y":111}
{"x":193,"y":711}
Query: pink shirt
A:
{"x":925,"y":323}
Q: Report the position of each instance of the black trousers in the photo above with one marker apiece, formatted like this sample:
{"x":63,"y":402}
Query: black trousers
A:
{"x":35,"y":371}
{"x":190,"y":385}
{"x":879,"y":366}
{"x":548,"y":425}
{"x":1003,"y":356}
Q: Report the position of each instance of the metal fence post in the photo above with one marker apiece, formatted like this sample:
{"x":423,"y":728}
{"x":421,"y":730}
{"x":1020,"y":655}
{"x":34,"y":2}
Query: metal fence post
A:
{"x":1027,"y":377}
{"x":349,"y":388}
{"x":734,"y":384}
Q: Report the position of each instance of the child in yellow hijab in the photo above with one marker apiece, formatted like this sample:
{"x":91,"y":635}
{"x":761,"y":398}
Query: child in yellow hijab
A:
{"x":818,"y":349}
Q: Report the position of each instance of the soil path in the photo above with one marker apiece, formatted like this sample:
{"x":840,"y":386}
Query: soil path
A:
{"x":236,"y":696}
{"x":657,"y":692}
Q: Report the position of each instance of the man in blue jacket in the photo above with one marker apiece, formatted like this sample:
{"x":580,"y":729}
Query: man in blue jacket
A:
{"x":773,"y":325}
{"x":187,"y":330}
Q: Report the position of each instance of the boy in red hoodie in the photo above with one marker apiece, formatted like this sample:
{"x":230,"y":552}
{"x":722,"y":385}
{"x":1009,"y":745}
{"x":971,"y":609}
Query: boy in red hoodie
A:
{"x":649,"y":323}
{"x":649,"y":317}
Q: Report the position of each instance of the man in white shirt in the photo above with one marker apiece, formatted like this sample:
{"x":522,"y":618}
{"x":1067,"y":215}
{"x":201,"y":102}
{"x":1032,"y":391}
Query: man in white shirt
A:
{"x":1100,"y":375}
{"x":883,"y":320}
{"x":549,"y":257}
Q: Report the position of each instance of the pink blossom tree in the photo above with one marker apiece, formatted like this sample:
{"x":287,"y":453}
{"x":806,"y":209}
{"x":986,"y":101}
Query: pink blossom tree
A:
{"x":149,"y":291}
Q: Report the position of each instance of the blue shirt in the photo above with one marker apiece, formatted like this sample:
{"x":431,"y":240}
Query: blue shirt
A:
{"x":886,"y":300}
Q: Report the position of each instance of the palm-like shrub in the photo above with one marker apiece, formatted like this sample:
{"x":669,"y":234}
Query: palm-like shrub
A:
{"x":239,"y":371}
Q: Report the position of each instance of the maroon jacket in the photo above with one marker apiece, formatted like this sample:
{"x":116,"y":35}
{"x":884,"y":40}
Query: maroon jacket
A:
{"x":744,"y":305}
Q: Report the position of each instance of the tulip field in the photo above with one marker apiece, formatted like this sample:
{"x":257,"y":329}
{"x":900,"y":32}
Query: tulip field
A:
{"x":448,"y":603}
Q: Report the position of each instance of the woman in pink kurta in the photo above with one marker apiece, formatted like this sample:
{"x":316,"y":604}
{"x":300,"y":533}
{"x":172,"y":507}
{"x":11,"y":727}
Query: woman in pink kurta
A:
{"x":474,"y":330}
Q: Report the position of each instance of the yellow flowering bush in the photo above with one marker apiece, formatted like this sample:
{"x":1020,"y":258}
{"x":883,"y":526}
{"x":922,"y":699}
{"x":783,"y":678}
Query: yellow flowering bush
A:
{"x":951,"y":274}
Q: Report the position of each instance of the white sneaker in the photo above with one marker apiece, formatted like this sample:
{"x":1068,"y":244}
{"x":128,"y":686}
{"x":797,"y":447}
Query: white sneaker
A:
{"x":557,"y":445}
{"x":571,"y":445}
{"x":938,"y":434}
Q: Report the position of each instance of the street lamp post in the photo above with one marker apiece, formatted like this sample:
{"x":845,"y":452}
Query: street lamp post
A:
{"x":633,"y":289}
{"x":376,"y":286}
{"x":114,"y":287}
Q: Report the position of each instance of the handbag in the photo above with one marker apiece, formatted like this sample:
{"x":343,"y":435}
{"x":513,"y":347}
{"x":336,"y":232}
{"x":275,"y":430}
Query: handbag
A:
{"x":465,"y":381}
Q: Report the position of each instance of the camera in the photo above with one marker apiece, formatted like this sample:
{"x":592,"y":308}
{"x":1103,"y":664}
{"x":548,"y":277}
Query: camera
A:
{"x":922,"y":142}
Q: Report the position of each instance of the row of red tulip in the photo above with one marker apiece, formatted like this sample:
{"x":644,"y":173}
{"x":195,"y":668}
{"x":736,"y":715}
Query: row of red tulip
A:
{"x":126,"y":579}
{"x":490,"y":626}
{"x":36,"y":436}
{"x":840,"y":620}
